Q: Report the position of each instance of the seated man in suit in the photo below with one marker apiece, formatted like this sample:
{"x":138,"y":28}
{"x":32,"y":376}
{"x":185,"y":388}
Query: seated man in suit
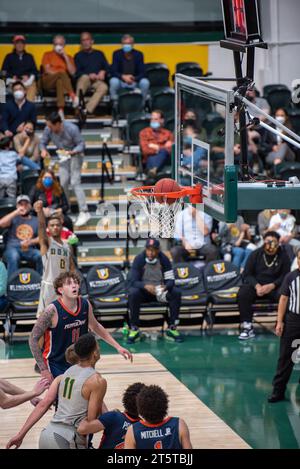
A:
{"x":152,"y":279}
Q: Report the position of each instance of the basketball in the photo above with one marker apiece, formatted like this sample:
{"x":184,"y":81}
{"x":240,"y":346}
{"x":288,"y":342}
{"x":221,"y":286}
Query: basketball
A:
{"x":166,"y":185}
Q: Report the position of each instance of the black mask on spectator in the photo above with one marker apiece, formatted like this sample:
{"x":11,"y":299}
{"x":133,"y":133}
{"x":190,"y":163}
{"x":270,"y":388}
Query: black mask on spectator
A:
{"x":190,"y":122}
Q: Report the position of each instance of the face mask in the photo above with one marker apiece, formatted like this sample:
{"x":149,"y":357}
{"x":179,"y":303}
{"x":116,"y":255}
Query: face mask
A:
{"x":29,"y":133}
{"x":19,"y":94}
{"x":58,"y":48}
{"x":190,"y":122}
{"x":154,"y":125}
{"x":187,"y":140}
{"x":127,"y":47}
{"x":280,"y":119}
{"x":283,"y":215}
{"x":151,"y":261}
{"x":48,"y":182}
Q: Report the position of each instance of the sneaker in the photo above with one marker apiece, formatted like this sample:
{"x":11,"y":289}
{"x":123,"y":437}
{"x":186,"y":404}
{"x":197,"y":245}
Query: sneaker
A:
{"x":247,"y":331}
{"x":75,"y":102}
{"x":174,"y":334}
{"x":133,"y":336}
{"x":82,"y":219}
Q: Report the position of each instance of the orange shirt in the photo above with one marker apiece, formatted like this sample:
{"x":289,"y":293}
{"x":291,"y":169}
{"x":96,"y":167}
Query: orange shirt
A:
{"x":56,"y":61}
{"x":159,"y":137}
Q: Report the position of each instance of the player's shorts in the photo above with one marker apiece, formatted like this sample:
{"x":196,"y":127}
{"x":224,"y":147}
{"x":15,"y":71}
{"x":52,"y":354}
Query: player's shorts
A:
{"x":47,"y":296}
{"x":61,"y":436}
{"x":57,"y":370}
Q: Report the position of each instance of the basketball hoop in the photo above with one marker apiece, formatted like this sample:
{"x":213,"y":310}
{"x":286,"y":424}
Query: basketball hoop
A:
{"x":161,"y":208}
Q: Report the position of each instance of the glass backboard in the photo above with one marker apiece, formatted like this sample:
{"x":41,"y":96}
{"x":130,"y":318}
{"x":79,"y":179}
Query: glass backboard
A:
{"x":204,"y":144}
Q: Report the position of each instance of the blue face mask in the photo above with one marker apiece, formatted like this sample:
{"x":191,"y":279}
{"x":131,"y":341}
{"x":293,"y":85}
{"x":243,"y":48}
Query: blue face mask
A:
{"x":127,"y":47}
{"x":154,"y":125}
{"x":48,"y":182}
{"x":187,"y":140}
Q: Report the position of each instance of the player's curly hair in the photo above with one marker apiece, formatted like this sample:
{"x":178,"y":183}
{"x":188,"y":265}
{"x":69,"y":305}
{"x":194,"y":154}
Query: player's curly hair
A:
{"x":62,"y":278}
{"x":152,"y":404}
{"x":129,"y":399}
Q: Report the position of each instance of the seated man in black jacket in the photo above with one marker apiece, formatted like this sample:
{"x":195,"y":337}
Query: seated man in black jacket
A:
{"x":263,"y":275}
{"x":152,"y":279}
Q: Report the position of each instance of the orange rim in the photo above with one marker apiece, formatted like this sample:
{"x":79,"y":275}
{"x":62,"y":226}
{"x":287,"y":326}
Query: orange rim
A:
{"x":148,"y":191}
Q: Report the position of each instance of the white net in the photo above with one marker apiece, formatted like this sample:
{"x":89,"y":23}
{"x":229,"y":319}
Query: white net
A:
{"x":161,"y":215}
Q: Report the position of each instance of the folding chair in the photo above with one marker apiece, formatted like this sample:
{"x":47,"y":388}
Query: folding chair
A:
{"x":23,"y":292}
{"x":222,"y":281}
{"x":194,"y":299}
{"x":107,"y":293}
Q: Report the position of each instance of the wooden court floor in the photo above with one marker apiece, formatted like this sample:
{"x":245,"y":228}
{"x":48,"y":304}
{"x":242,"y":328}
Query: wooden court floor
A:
{"x":207,"y":430}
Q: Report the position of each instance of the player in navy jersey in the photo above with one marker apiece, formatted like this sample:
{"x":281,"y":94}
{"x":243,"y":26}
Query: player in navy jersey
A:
{"x":288,"y":329}
{"x":115,"y":423}
{"x":61,"y":325}
{"x":155,"y":430}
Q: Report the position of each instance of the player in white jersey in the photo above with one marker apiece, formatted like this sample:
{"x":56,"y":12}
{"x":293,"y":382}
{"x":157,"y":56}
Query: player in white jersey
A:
{"x":56,"y":255}
{"x":80,"y":391}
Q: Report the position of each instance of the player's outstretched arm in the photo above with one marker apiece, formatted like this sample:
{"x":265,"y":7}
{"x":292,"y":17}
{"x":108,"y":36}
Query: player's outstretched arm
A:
{"x":36,"y":414}
{"x":42,"y":228}
{"x":10,"y":388}
{"x":106,"y":336}
{"x":184,"y":435}
{"x":129,"y":439}
{"x":44,"y":322}
{"x":7,"y":402}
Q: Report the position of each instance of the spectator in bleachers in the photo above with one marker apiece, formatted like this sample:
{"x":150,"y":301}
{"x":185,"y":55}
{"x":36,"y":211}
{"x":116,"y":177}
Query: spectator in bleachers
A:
{"x":3,"y":286}
{"x":285,"y":225}
{"x":263,"y":220}
{"x":49,"y":190}
{"x":17,"y":111}
{"x":8,"y":168}
{"x":193,"y":230}
{"x":27,"y":145}
{"x":66,"y":136}
{"x":281,"y":150}
{"x":58,"y":67}
{"x":19,"y":65}
{"x":235,"y":240}
{"x":156,"y":143}
{"x":22,"y":237}
{"x":264,"y":272}
{"x":152,"y":279}
{"x":128,"y":70}
{"x":191,"y":121}
{"x":262,"y":103}
{"x":91,"y":70}
{"x":190,"y":132}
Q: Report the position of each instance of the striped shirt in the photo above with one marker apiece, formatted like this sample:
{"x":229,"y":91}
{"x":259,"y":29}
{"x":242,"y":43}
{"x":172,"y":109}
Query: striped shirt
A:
{"x":291,"y":288}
